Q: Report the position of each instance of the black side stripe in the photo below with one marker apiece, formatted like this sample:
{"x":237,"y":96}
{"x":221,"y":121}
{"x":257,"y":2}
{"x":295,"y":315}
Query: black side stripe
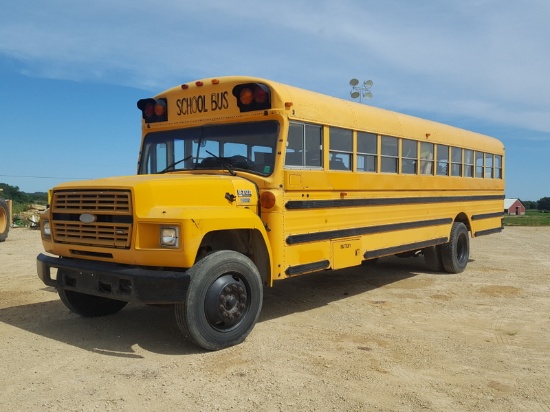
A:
{"x":331,"y":203}
{"x":487,"y":215}
{"x":308,"y":267}
{"x":371,"y":254}
{"x":367,"y":230}
{"x":489,"y":231}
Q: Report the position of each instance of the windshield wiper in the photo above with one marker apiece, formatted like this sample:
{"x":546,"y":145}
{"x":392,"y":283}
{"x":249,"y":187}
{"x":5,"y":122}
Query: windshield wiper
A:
{"x":171,"y":165}
{"x":223,"y":163}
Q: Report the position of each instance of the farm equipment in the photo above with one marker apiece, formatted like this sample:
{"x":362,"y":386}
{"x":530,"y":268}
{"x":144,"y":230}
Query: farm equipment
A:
{"x":4,"y":219}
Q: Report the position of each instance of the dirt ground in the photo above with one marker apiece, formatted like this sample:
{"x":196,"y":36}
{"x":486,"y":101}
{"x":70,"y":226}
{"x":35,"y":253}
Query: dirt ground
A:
{"x":384,"y":337}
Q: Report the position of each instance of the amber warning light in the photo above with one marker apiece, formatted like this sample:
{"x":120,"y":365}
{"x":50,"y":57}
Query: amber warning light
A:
{"x":252,"y":96}
{"x":153,"y":110}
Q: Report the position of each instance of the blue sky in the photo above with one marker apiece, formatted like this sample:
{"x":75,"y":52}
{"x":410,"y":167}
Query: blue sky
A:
{"x":71,"y":72}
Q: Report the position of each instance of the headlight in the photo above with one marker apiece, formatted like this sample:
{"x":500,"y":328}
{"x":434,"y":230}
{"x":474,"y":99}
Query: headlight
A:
{"x":169,"y":236}
{"x":46,"y":230}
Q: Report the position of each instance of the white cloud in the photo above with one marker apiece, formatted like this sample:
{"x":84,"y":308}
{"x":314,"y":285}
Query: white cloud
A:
{"x":483,"y":59}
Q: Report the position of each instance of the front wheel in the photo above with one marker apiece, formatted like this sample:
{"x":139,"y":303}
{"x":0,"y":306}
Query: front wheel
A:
{"x":224,"y":300}
{"x":456,"y":252}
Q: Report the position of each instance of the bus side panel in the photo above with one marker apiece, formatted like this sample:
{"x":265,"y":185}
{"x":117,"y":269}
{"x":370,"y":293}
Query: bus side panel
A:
{"x":317,"y":232}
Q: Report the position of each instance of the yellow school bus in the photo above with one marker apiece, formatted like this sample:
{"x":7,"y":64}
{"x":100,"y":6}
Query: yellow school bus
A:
{"x":244,"y":181}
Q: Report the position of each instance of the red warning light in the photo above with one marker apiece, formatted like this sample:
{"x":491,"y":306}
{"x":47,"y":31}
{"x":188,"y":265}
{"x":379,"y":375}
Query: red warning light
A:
{"x":153,"y":110}
{"x":252,"y":96}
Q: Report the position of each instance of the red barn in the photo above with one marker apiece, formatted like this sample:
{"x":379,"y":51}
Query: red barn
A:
{"x":513,"y":207}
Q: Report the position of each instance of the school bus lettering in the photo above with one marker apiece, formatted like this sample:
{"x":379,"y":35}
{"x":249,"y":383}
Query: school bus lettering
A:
{"x":191,"y":105}
{"x":266,"y":188}
{"x":199,"y":104}
{"x":218,"y":101}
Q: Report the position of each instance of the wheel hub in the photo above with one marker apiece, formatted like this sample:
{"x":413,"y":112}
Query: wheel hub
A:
{"x":226,"y":302}
{"x":461,"y":249}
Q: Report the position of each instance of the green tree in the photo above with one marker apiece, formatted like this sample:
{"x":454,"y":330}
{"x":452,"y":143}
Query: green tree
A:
{"x":529,"y":204}
{"x":544,"y":203}
{"x":13,"y":193}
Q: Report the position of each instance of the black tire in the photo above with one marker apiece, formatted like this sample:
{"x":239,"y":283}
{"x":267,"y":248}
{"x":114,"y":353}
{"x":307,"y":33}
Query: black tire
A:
{"x":224,"y":300}
{"x":456,"y":252}
{"x":89,"y":306}
{"x":432,"y":257}
{"x":4,"y":220}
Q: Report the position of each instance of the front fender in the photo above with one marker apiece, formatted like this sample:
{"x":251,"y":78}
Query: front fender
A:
{"x":196,"y":223}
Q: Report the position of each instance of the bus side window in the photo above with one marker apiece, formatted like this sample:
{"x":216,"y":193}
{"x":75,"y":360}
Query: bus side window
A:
{"x":426,"y":158}
{"x":390,"y":154}
{"x":304,"y":145}
{"x":341,"y":149}
{"x":456,"y":161}
{"x":468,"y":163}
{"x":488,"y":166}
{"x":314,"y":145}
{"x":442,"y":160}
{"x":409,"y":156}
{"x":479,"y":164}
{"x":367,"y":152}
{"x":498,"y":167}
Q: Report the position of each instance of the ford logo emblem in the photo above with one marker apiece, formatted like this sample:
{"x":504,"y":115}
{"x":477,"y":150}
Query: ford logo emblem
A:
{"x":87,"y":218}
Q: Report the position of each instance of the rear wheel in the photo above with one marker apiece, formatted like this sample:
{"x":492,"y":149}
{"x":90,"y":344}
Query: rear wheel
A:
{"x":4,"y":220}
{"x":223,"y":302}
{"x":89,"y":306}
{"x":456,"y":252}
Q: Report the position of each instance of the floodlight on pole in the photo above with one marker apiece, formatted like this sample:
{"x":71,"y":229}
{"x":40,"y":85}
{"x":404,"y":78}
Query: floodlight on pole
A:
{"x":360,"y":91}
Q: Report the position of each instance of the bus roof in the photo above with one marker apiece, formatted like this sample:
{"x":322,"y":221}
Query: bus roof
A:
{"x":309,"y":106}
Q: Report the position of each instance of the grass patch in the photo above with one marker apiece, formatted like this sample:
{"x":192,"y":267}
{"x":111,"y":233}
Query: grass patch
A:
{"x":19,"y":208}
{"x":530,"y":218}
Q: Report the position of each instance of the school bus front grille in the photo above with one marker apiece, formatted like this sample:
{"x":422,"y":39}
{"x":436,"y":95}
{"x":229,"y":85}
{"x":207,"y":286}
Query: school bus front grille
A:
{"x":114,"y":201}
{"x":95,"y":218}
{"x":114,"y":236}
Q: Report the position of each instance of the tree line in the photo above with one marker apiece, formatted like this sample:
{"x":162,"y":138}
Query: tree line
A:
{"x":541,"y":204}
{"x":22,"y":198}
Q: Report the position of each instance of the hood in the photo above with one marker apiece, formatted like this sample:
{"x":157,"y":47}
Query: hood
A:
{"x":176,"y":190}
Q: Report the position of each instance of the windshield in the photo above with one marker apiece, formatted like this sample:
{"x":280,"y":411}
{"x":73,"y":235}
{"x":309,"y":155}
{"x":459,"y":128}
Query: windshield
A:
{"x":240,"y":146}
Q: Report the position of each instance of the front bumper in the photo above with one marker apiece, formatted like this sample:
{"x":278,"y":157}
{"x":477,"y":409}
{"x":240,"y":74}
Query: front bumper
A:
{"x":114,"y":281}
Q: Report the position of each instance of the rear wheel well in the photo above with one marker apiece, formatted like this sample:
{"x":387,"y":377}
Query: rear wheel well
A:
{"x":461,"y":217}
{"x":249,"y":242}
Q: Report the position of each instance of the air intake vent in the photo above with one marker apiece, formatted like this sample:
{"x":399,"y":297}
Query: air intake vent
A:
{"x":100,"y":218}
